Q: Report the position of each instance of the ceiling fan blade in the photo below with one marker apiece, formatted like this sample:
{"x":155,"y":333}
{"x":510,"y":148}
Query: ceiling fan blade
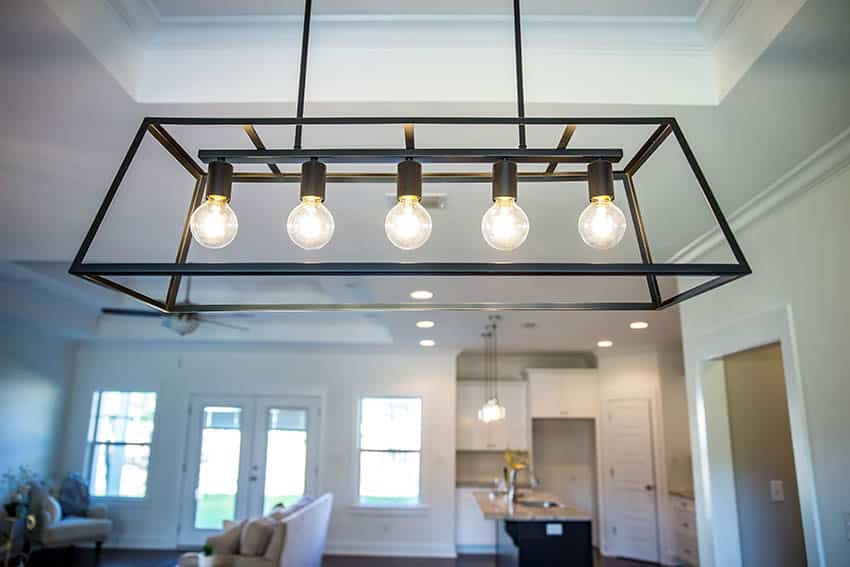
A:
{"x":130,"y":312}
{"x":223,"y":324}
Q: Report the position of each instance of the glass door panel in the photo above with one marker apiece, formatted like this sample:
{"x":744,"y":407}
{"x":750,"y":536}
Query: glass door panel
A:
{"x":286,"y":457}
{"x":218,"y":473}
{"x":286,"y":454}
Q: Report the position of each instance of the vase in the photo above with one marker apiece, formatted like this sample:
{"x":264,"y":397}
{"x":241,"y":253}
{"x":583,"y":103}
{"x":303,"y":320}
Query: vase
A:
{"x":205,"y":560}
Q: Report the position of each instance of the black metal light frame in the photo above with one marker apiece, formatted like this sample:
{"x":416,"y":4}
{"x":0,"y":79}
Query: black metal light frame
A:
{"x":156,"y":127}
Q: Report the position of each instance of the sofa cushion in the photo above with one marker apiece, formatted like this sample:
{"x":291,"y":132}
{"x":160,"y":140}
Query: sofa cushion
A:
{"x":74,"y":495}
{"x":255,"y":538}
{"x":227,"y":542}
{"x":73,"y":529}
{"x":277,"y":541}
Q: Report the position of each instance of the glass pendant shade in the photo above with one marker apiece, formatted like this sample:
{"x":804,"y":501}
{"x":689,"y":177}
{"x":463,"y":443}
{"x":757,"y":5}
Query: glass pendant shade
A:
{"x":602,"y":224}
{"x":214,"y":224}
{"x":310,"y":225}
{"x":491,"y":411}
{"x":505,"y":225}
{"x":408,"y":224}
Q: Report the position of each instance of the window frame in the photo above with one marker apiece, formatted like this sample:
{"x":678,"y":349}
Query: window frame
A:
{"x":359,"y":504}
{"x":92,"y":444}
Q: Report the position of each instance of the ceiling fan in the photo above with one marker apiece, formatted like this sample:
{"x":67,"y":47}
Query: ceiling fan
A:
{"x":181,"y":323}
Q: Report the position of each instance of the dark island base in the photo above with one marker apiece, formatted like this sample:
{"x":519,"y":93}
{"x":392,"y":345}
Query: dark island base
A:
{"x":546,"y":544}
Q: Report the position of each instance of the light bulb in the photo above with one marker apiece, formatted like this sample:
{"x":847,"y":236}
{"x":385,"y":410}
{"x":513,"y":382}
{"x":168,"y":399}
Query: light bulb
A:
{"x":491,"y":411}
{"x":602,"y":224}
{"x":408,"y":224}
{"x":310,"y":225}
{"x":505,"y":225}
{"x":214,"y":224}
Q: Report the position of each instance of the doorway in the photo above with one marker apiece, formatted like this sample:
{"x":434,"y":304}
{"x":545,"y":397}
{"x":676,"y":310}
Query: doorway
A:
{"x":769,"y":520}
{"x":244,"y":455}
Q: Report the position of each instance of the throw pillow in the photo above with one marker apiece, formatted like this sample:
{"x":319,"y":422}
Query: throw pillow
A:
{"x":278,"y":539}
{"x":227,"y":542}
{"x":74,"y":496}
{"x":52,"y":510}
{"x":255,"y":536}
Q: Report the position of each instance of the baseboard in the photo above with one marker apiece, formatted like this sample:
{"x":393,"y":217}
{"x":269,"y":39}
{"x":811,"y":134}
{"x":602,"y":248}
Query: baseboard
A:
{"x":476,"y":549}
{"x":139,"y":542}
{"x":390,"y":549}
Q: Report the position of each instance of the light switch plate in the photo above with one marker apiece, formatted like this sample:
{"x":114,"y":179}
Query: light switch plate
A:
{"x":777,"y":491}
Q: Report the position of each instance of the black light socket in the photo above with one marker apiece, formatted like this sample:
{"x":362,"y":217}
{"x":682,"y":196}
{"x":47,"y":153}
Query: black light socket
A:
{"x":219,"y":179}
{"x":409,"y":182}
{"x":313,"y":178}
{"x":600,"y":179}
{"x":504,"y":179}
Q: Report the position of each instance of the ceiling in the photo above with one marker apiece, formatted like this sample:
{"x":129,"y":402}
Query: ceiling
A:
{"x":254,"y":8}
{"x":66,"y":122}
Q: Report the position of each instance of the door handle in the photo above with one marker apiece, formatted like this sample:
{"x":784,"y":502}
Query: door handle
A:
{"x":649,"y":487}
{"x":252,"y":478}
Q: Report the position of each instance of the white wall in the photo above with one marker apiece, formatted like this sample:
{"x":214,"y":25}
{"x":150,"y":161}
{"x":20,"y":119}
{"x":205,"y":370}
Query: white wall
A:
{"x":33,"y":375}
{"x":340,"y":379}
{"x":677,"y":441}
{"x":799,"y":256}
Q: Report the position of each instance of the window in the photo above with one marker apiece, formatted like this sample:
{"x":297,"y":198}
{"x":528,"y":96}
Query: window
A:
{"x":120,"y":443}
{"x":390,"y":451}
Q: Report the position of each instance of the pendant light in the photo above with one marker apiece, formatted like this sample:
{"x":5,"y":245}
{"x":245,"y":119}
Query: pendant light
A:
{"x":505,"y":225}
{"x":311,"y":225}
{"x":492,"y":410}
{"x":408,"y":224}
{"x":602,"y":224}
{"x":214,"y":224}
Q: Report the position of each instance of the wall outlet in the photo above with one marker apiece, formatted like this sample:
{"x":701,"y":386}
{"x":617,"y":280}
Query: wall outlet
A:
{"x":777,"y":491}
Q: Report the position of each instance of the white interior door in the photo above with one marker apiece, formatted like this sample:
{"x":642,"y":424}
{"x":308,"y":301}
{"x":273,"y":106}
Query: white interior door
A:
{"x":244,"y":455}
{"x":632,"y":513}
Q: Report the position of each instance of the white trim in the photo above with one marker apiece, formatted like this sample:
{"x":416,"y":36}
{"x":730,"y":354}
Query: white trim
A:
{"x":717,"y":525}
{"x":828,"y":161}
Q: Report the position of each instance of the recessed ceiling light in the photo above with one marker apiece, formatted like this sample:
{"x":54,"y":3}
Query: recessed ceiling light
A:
{"x":529,"y":325}
{"x":427,"y":343}
{"x":421,"y":294}
{"x":605,"y":344}
{"x":638,"y":325}
{"x":425,"y":324}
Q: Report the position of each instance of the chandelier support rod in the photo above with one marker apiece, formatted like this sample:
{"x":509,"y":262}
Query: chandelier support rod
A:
{"x":185,"y":242}
{"x":302,"y":70}
{"x":520,"y":94}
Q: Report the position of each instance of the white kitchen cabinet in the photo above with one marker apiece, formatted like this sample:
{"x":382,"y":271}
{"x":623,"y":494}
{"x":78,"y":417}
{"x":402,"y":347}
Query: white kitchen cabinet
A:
{"x":572,"y":393}
{"x":472,"y":531}
{"x":510,"y":433}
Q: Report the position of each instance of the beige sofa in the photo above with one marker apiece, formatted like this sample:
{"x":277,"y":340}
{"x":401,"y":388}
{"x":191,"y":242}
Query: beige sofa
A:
{"x":303,"y":531}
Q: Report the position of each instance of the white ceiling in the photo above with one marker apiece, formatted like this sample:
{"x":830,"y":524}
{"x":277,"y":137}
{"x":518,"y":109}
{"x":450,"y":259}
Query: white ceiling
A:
{"x":254,"y":8}
{"x":66,"y":122}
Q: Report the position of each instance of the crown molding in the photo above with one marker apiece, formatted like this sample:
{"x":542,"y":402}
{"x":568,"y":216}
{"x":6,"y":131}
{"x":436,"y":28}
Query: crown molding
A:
{"x":830,"y":160}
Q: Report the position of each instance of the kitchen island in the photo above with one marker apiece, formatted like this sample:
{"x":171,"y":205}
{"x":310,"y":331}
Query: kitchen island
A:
{"x":538,"y":531}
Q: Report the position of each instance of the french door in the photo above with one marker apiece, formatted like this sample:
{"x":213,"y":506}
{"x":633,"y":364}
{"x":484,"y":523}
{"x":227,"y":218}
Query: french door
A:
{"x":244,"y":455}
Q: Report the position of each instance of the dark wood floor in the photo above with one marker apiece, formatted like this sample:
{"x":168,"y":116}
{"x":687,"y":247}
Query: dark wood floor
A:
{"x":148,"y":558}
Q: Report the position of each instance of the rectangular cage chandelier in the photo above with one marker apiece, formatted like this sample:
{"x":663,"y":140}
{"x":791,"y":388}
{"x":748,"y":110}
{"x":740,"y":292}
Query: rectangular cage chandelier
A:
{"x":211,"y":222}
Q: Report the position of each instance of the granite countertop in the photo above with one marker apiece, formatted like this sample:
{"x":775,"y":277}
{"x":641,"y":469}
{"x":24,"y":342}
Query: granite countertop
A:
{"x":495,"y":508}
